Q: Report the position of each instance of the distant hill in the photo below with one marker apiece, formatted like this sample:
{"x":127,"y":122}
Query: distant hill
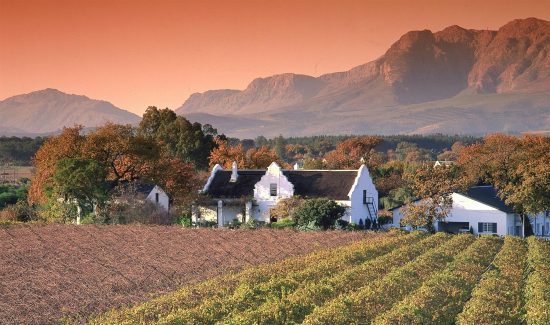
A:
{"x":49,"y":110}
{"x":453,"y":81}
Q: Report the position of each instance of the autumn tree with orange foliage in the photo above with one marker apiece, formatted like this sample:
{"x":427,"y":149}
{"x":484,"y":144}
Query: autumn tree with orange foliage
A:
{"x":352,"y":153}
{"x":224,"y":155}
{"x":518,"y":167}
{"x":122,"y":152}
{"x":68,"y":144}
{"x":254,"y":158}
{"x":433,"y":186}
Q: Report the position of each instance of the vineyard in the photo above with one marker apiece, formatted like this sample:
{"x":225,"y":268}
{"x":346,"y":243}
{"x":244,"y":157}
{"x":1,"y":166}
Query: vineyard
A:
{"x":65,"y":271}
{"x":386,"y":279}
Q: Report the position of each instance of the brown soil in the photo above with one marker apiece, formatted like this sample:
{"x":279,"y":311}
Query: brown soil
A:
{"x":54,"y":271}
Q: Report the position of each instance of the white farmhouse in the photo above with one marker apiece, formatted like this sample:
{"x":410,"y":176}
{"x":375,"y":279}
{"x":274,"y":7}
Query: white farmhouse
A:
{"x":482,"y":211}
{"x":245,"y":194}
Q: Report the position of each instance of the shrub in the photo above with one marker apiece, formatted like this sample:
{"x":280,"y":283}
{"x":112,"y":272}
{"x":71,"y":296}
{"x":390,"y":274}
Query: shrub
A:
{"x":321,"y":213}
{"x":185,"y":221}
{"x":284,"y":223}
{"x":251,"y":224}
{"x":285,"y":208}
{"x":234,"y":224}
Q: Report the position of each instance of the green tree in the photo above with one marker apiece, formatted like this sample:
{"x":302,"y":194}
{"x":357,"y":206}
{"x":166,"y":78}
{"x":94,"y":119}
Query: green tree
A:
{"x":319,"y":212}
{"x":190,"y":142}
{"x":79,"y":182}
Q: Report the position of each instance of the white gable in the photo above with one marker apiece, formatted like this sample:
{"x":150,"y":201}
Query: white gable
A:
{"x":274,"y":175}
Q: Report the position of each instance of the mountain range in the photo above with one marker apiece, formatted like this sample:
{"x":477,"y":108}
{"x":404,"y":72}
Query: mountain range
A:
{"x":455,"y":81}
{"x":47,"y":111}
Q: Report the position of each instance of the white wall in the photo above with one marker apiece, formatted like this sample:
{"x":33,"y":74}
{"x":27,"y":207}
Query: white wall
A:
{"x":537,"y":221}
{"x":363,"y":181}
{"x":262,"y":195}
{"x":467,"y":210}
{"x":164,"y":200}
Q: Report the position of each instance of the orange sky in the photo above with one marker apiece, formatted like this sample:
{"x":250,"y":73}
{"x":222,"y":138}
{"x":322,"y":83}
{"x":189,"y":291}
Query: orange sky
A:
{"x":136,"y":53}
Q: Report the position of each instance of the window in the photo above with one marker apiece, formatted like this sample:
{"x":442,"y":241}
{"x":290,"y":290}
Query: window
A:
{"x":273,"y":189}
{"x":487,"y":227}
{"x":364,"y":196}
{"x":157,"y":197}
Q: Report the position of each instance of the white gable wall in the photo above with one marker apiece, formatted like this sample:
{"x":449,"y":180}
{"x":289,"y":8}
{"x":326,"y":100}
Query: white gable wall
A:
{"x":262,"y":191}
{"x":363,"y":181}
{"x":163,"y":199}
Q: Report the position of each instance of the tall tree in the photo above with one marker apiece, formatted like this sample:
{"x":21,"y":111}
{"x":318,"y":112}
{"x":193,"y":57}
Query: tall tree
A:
{"x":433,"y":186}
{"x":351,"y":153}
{"x":190,"y":142}
{"x":519,"y":168}
{"x":68,"y":144}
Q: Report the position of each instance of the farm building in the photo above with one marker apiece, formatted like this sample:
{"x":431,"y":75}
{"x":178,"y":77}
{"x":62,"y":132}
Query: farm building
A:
{"x":155,"y":194}
{"x":485,"y":213}
{"x":245,"y":194}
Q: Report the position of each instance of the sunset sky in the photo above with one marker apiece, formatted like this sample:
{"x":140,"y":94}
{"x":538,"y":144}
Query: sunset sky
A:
{"x":137,"y":53}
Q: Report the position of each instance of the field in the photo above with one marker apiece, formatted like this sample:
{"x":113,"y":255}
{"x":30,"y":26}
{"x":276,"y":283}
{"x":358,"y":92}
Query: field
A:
{"x":11,"y":174}
{"x":63,"y":271}
{"x":389,"y":279}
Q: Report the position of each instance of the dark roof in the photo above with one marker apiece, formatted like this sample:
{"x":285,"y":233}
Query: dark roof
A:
{"x":244,"y":186}
{"x":488,"y":195}
{"x":140,"y":187}
{"x":144,"y":188}
{"x":329,"y":184}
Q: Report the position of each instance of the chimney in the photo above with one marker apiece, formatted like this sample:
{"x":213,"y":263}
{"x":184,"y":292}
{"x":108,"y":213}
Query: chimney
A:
{"x":234,"y":174}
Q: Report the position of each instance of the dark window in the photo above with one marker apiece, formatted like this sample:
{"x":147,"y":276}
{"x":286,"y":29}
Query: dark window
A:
{"x":487,"y":227}
{"x":365,"y":196}
{"x":273,"y":189}
{"x":157,"y":197}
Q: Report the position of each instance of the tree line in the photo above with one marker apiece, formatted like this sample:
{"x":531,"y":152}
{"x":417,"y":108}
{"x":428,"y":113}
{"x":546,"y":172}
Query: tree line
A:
{"x":78,"y":172}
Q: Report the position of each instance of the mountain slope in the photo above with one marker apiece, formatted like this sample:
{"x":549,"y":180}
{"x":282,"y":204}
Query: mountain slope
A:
{"x":453,"y":81}
{"x":49,"y":110}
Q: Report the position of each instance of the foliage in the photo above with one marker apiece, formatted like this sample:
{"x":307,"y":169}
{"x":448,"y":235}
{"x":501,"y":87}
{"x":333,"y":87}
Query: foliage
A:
{"x":283,"y":223}
{"x":81,"y":182}
{"x":296,"y":305}
{"x":378,"y":297}
{"x":248,"y":294}
{"x":443,"y":295}
{"x":185,"y":221}
{"x":124,"y":155}
{"x":497,"y":298}
{"x":19,"y":151}
{"x":351,"y":153}
{"x":286,"y":208}
{"x":517,"y":166}
{"x":390,"y":279}
{"x":254,"y":158}
{"x":11,"y":194}
{"x":433,"y":185}
{"x":537,"y":290}
{"x":65,"y":145}
{"x":251,"y":224}
{"x":319,"y":212}
{"x":189,"y":142}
